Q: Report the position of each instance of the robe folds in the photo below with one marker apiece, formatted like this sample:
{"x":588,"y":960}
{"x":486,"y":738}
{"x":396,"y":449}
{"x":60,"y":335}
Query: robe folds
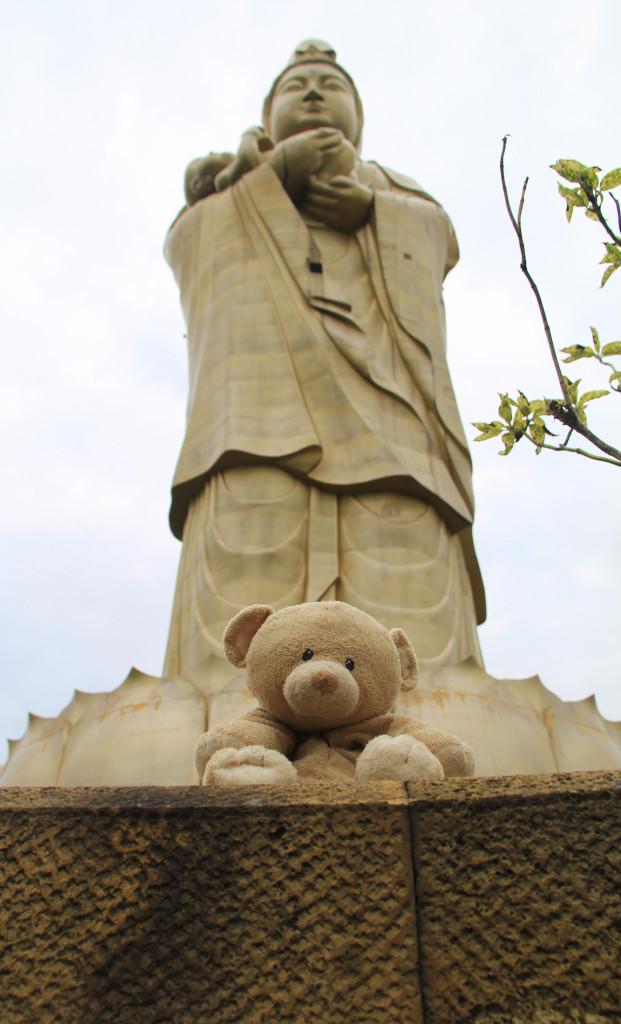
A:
{"x":320,"y":353}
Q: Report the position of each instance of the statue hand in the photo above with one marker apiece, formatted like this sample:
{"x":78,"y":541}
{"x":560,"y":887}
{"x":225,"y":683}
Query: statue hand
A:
{"x":297,"y":158}
{"x":341,"y":203}
{"x":254,"y":142}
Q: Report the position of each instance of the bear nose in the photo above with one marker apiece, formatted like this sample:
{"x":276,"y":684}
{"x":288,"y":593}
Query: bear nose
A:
{"x":324,"y":681}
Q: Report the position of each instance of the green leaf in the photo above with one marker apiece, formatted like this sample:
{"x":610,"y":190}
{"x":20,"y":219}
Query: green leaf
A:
{"x":596,"y":340}
{"x":615,"y":376}
{"x":613,"y":253}
{"x":591,"y":214}
{"x":523,"y":404}
{"x":607,"y":274}
{"x":569,"y":169}
{"x":577,"y":352}
{"x":488,"y":430}
{"x":572,"y":388}
{"x":613,"y":348}
{"x":590,"y":177}
{"x":537,"y":432}
{"x":508,"y":440}
{"x":589,"y":396}
{"x":504,"y":409}
{"x":539,"y":407}
{"x":611,"y":180}
{"x":574,"y":196}
{"x":549,"y":433}
{"x":519,"y":424}
{"x":538,"y":422}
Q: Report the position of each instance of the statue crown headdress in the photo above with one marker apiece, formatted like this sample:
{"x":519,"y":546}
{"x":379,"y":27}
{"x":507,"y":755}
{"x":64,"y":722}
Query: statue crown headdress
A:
{"x":313,"y":51}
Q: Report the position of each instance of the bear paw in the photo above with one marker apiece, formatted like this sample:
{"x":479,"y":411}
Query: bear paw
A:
{"x":249,"y":766}
{"x":398,"y":758}
{"x":457,"y":759}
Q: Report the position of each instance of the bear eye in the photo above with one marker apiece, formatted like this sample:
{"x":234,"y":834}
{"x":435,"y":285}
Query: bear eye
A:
{"x":349,"y":665}
{"x":307,"y":654}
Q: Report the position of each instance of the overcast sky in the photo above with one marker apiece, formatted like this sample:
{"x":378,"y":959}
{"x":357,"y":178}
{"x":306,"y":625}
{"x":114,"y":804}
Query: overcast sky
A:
{"x":102,"y":105}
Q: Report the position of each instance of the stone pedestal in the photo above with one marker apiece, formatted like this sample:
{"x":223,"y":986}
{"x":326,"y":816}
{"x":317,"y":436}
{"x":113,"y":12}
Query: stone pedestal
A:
{"x":480,"y":900}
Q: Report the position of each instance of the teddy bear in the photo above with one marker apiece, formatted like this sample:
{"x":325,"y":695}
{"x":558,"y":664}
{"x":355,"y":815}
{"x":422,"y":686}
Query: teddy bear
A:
{"x":326,"y":676}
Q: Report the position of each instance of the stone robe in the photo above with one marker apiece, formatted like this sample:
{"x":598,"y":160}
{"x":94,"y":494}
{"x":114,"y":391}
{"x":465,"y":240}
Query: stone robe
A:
{"x":322,"y":355}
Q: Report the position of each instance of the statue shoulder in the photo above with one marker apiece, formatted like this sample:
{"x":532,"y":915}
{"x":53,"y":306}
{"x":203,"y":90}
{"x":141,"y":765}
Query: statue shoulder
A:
{"x":382,"y":178}
{"x":400,"y":181}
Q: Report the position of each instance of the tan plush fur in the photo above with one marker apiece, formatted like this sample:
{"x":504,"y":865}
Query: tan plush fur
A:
{"x":326,"y":677}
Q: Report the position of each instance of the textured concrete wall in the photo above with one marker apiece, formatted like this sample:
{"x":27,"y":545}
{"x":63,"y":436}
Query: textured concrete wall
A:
{"x":495,"y":901}
{"x":518,"y":891}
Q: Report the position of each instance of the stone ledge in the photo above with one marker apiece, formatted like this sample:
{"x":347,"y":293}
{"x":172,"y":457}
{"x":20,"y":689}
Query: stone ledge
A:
{"x":501,"y":787}
{"x":190,"y":797}
{"x":473,"y":900}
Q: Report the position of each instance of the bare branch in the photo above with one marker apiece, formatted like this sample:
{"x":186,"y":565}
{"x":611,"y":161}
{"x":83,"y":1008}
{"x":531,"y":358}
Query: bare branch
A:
{"x":521,"y":208}
{"x":566,"y":411}
{"x":616,"y":202}
{"x":566,"y":441}
{"x":504,"y":185}
{"x":575,"y":451}
{"x":524,"y":268}
{"x":569,"y":418}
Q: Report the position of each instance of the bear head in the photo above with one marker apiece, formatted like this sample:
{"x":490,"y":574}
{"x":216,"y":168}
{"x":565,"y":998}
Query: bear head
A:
{"x":321,"y":665}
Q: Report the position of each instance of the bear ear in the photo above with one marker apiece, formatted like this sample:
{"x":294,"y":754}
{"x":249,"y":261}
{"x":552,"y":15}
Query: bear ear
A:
{"x":409,"y":665}
{"x":241,"y":631}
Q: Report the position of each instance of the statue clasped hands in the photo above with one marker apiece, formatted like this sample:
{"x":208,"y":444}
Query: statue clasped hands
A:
{"x":340,"y":202}
{"x":316,"y":169}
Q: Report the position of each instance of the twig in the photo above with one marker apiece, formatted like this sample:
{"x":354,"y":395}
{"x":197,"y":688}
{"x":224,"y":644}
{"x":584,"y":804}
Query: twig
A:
{"x":566,"y":441}
{"x":524,"y":268}
{"x":563,"y":411}
{"x":596,"y":207}
{"x":575,"y":451}
{"x":570,"y":419}
{"x":616,"y":202}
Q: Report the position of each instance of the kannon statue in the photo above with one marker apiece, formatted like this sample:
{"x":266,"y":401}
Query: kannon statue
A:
{"x":324,"y":457}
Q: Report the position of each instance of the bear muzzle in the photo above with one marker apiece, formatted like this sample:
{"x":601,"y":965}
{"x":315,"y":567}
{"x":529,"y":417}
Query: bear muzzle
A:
{"x":321,"y":688}
{"x":325,"y":682}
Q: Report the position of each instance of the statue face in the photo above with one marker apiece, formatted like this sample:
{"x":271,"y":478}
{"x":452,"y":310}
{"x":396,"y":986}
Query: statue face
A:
{"x":313,"y":96}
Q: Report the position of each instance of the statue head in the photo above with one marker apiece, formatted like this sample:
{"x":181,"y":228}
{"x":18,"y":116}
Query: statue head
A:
{"x":313,"y":91}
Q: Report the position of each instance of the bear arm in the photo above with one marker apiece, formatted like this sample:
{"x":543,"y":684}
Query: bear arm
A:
{"x":257,"y":728}
{"x":454,"y":755}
